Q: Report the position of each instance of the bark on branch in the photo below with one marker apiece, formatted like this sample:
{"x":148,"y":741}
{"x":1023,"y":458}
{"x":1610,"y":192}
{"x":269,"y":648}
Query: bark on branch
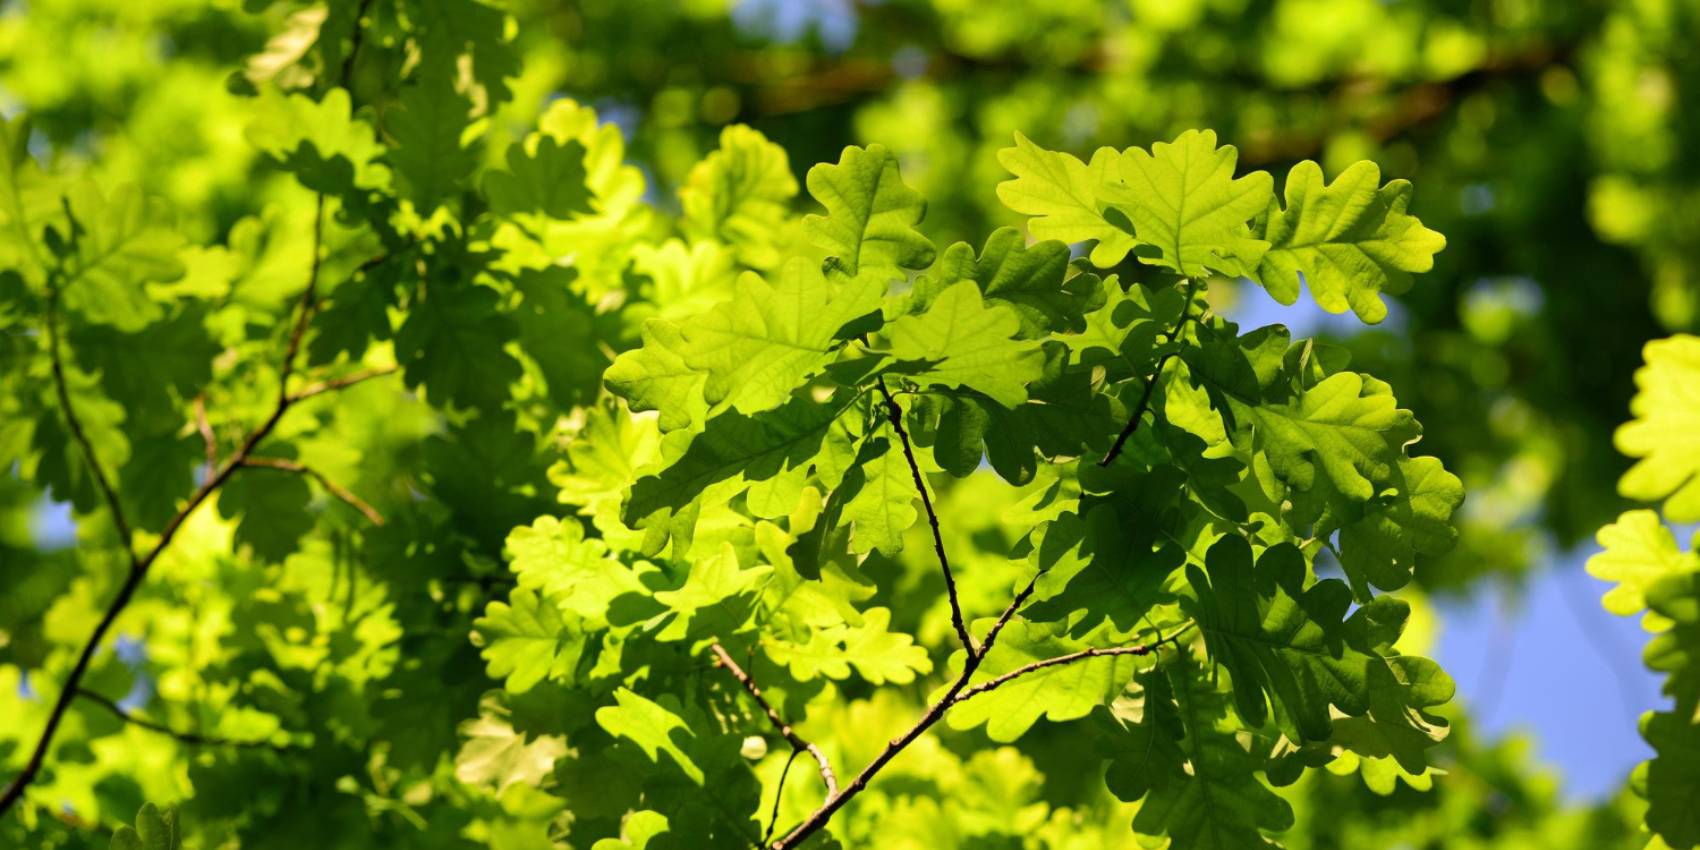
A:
{"x":335,"y":489}
{"x":724,"y":659}
{"x":192,"y":738}
{"x":895,"y":414}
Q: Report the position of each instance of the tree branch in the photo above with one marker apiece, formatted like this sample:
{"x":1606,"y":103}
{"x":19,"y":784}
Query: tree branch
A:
{"x":343,"y":382}
{"x":192,"y":738}
{"x":959,"y":690}
{"x":1151,"y":382}
{"x":139,"y":567}
{"x":971,"y":662}
{"x":1095,"y":652}
{"x":724,"y":659}
{"x":773,"y":816}
{"x":335,"y":489}
{"x":75,"y":426}
{"x":895,"y":414}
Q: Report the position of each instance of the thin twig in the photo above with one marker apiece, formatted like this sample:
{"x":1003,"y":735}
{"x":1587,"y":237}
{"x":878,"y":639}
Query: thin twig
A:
{"x":1151,"y":382}
{"x":724,"y":659}
{"x":1009,"y":611}
{"x":1095,"y":652}
{"x":773,"y":817}
{"x":76,"y":427}
{"x":895,"y":414}
{"x":193,"y":738}
{"x":343,"y":382}
{"x":347,"y":69}
{"x":335,"y":489}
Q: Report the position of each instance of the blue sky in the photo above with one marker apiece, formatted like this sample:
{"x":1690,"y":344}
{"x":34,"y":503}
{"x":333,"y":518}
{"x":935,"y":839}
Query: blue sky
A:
{"x":1546,"y":658}
{"x":1550,"y":661}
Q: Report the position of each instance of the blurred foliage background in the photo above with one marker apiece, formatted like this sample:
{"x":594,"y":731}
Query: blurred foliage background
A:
{"x":1556,"y":143}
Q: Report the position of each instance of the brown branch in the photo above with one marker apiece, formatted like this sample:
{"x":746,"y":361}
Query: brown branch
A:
{"x":971,"y":662}
{"x":724,"y":659}
{"x":1095,"y":652}
{"x":335,"y":489}
{"x":1009,"y":611}
{"x":75,"y":426}
{"x":192,"y":738}
{"x":343,"y":382}
{"x":139,"y":567}
{"x":895,"y":414}
{"x":773,"y":816}
{"x":1151,"y":382}
{"x":957,"y":693}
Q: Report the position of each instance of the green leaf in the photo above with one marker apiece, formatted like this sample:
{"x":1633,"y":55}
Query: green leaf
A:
{"x":1664,"y":436}
{"x":557,"y":331}
{"x":159,"y":474}
{"x":652,"y":726}
{"x":960,"y":341}
{"x":769,"y":339}
{"x":123,"y":244}
{"x":270,"y":507}
{"x":28,"y":198}
{"x":882,"y":502}
{"x":1638,"y":551}
{"x":151,"y":370}
{"x":1675,"y":600}
{"x":636,"y":832}
{"x":879,"y":655}
{"x":1287,"y":645}
{"x":579,"y":575}
{"x":429,"y":126}
{"x":529,"y":639}
{"x":1057,"y":693}
{"x":716,"y":599}
{"x":1104,"y":567}
{"x":871,"y":215}
{"x":742,"y":448}
{"x":1410,"y":516}
{"x":1347,"y":432}
{"x":322,"y":142}
{"x":543,"y":177}
{"x":1214,"y":801}
{"x":1027,"y":278}
{"x":1397,"y":725}
{"x":455,"y":31}
{"x":497,"y":754}
{"x":603,"y":461}
{"x":1122,"y":334}
{"x":1672,"y":777}
{"x":657,"y":377}
{"x":1348,"y":242}
{"x":356,"y":312}
{"x":1062,"y":194}
{"x":740,"y":194}
{"x":1144,"y":752}
{"x":454,"y":344}
{"x":1186,"y":204}
{"x":154,"y":830}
